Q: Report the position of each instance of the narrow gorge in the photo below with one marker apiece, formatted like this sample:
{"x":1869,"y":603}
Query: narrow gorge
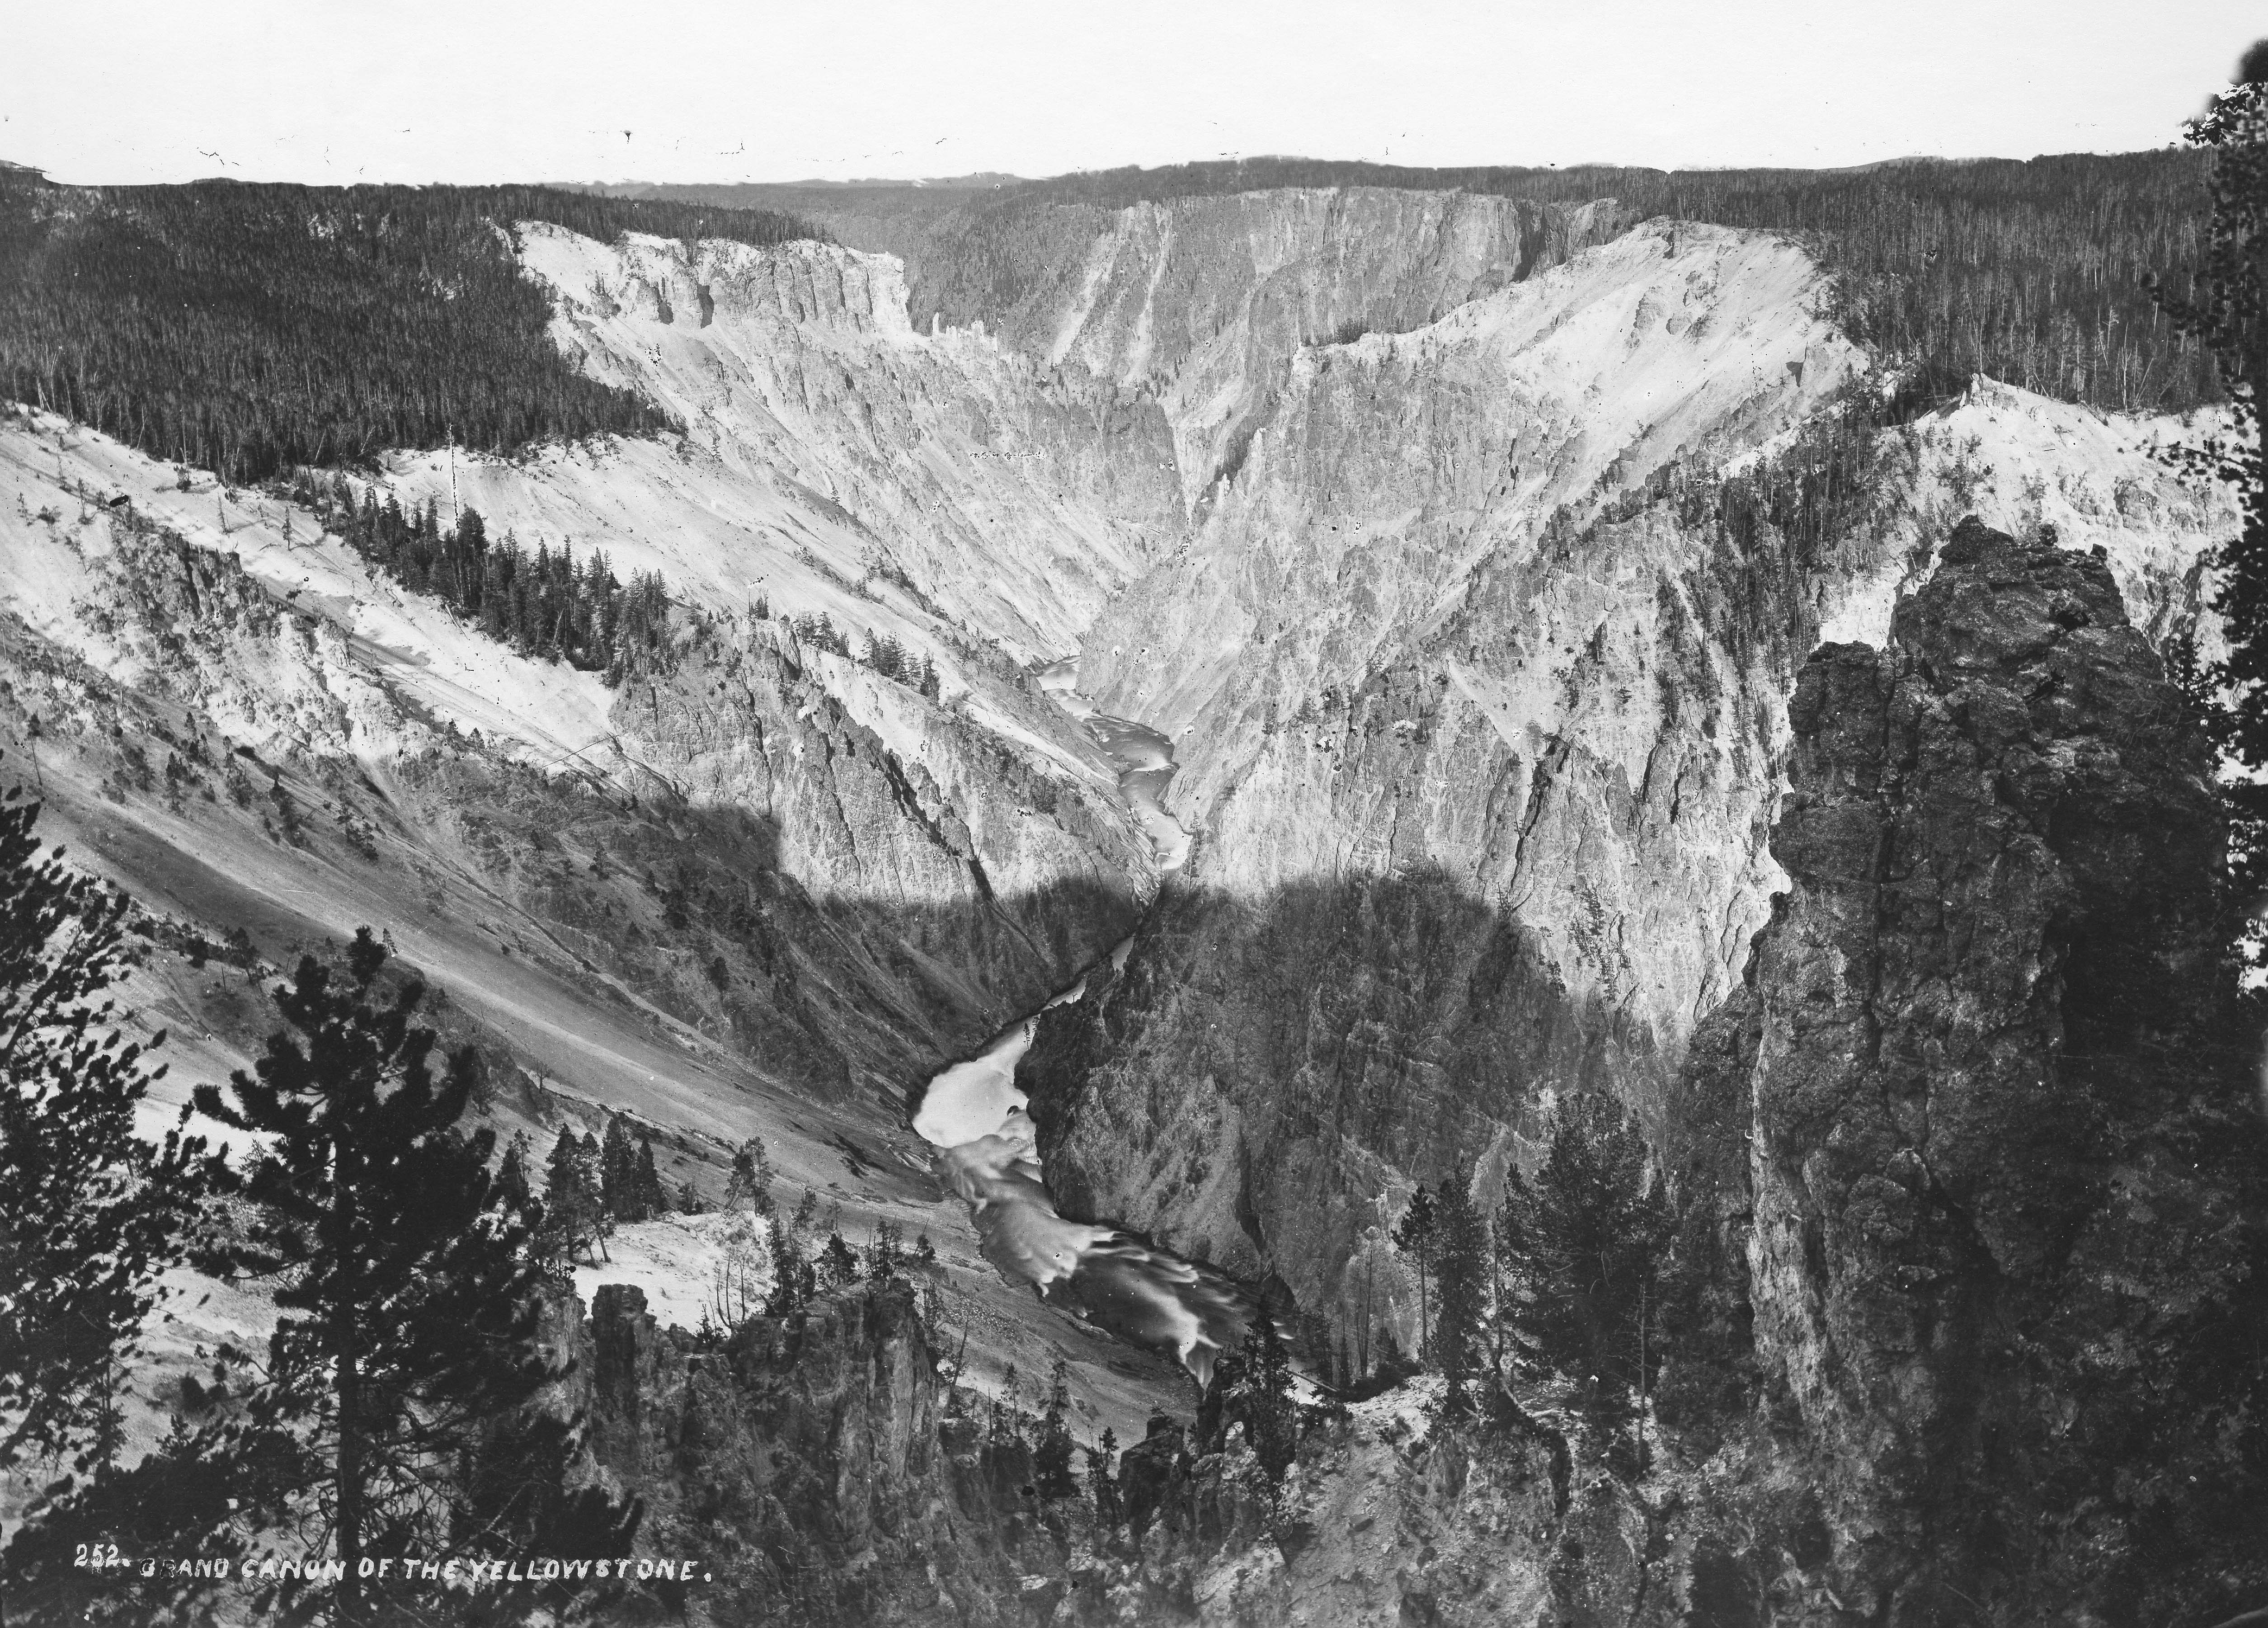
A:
{"x":1171,"y":735}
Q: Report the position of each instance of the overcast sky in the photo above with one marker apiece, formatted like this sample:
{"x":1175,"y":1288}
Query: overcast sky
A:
{"x":704,"y":90}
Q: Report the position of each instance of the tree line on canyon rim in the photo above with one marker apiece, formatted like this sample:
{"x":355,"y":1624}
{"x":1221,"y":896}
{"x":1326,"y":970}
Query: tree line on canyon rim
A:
{"x":257,"y":329}
{"x":2032,"y":272}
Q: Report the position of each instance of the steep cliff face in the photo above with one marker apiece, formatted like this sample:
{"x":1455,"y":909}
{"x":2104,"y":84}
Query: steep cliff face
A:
{"x":1205,"y":303}
{"x":2010,"y":1189}
{"x":1473,"y":727}
{"x":1505,"y":611}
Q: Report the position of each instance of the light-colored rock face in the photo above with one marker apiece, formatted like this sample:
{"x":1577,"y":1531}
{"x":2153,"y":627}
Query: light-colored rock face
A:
{"x":833,"y":462}
{"x":1204,"y":303}
{"x":1387,"y":536}
{"x":2020,"y":462}
{"x":1393,"y":519}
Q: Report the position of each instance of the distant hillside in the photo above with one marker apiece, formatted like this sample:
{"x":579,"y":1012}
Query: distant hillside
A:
{"x":248,"y":328}
{"x":2029,"y":271}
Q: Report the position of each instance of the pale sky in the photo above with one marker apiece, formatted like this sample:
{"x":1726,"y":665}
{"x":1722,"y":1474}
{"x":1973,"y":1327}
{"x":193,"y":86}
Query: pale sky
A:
{"x":324,"y":91}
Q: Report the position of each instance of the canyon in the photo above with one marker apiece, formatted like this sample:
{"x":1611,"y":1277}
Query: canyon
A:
{"x":1465,"y":561}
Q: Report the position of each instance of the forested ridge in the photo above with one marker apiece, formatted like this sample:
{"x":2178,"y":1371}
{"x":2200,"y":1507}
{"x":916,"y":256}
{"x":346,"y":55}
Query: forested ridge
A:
{"x":252,"y":328}
{"x":2030,"y":271}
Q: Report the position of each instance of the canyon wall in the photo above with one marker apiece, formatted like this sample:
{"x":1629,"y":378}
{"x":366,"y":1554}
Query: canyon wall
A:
{"x":1477,"y":673}
{"x":2009,"y":1184}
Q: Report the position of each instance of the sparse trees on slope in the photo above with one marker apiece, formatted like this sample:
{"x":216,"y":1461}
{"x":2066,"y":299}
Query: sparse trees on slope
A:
{"x":89,"y":1214}
{"x":406,"y":1284}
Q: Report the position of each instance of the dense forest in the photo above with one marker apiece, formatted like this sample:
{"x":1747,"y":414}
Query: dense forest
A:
{"x":251,"y":329}
{"x":2032,"y":272}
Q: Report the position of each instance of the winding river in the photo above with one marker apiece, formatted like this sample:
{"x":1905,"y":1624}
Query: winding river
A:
{"x":973,"y":1112}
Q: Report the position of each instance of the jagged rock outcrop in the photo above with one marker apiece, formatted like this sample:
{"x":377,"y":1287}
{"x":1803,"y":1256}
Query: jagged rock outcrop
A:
{"x":807,"y":1461}
{"x":2010,"y":1184}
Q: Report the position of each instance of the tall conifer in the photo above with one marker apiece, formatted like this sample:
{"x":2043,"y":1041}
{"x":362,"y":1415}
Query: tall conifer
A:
{"x":405,"y":1281}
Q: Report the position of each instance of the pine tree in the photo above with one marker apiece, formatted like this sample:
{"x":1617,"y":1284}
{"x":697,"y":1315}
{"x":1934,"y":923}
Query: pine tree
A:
{"x":652,"y":1200}
{"x":573,"y":1216}
{"x":511,"y":1174}
{"x":1463,"y":1268}
{"x":736,"y":1291}
{"x":620,"y":1188}
{"x":751,"y":1185}
{"x":406,"y":1285}
{"x":793,"y":1279}
{"x":1051,"y":1454}
{"x":1007,"y":1422}
{"x":89,"y":1214}
{"x":885,"y":1256}
{"x":1590,"y":1232}
{"x":589,"y":1161}
{"x":1252,"y":1386}
{"x":838,"y":1263}
{"x":1413,"y":1235}
{"x":1102,"y":1477}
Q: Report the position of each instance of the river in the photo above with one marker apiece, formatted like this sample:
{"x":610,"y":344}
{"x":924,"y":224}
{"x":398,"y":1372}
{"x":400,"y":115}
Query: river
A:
{"x":974,"y":1114}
